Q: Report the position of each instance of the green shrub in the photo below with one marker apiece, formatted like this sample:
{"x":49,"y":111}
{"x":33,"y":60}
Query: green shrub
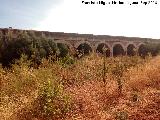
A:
{"x":35,"y":48}
{"x":63,"y":50}
{"x":15,"y":48}
{"x":51,"y":102}
{"x":68,"y":60}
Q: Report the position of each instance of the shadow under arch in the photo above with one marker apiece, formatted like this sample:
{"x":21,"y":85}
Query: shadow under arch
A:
{"x":118,"y":50}
{"x":142,"y":50}
{"x":100,"y":49}
{"x":84,"y":49}
{"x":131,"y":50}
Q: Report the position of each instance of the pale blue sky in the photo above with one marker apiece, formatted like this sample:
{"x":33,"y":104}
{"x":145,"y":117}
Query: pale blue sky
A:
{"x":24,"y":13}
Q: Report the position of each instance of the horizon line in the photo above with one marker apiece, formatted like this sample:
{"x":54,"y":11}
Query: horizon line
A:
{"x":80,"y":33}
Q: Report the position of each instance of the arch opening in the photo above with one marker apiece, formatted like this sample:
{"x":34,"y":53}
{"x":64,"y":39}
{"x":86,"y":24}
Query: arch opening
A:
{"x":131,"y":50}
{"x":118,"y":50}
{"x":63,"y":49}
{"x":84,"y":49}
{"x":100,"y":49}
{"x":142,"y":51}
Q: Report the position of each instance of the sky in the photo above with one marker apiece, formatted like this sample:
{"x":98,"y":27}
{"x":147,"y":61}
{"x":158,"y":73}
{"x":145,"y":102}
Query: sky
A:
{"x":74,"y":16}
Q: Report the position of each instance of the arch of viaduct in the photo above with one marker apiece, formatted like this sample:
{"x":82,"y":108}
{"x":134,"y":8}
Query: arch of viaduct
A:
{"x":109,"y":44}
{"x":74,"y":40}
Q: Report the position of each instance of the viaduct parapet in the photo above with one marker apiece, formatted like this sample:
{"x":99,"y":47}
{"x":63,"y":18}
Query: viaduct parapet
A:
{"x":115,"y":44}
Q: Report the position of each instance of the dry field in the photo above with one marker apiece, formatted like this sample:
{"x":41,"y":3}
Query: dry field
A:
{"x":93,"y":88}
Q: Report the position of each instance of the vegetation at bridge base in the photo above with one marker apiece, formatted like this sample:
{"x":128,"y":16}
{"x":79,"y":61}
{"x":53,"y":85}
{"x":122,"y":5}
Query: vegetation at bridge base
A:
{"x":149,"y":48}
{"x":35,"y":48}
{"x":15,"y":48}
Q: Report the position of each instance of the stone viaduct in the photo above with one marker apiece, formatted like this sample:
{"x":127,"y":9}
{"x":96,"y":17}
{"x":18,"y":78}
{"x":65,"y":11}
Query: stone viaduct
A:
{"x":116,"y":45}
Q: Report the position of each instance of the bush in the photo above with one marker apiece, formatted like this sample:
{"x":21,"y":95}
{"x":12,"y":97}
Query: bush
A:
{"x":68,"y":60}
{"x":152,"y":48}
{"x":15,"y":48}
{"x":34,"y":48}
{"x":51,"y":102}
{"x":63,"y":50}
{"x":42,"y":48}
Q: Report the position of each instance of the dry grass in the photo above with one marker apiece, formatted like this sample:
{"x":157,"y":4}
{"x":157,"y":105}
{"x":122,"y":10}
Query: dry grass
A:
{"x":78,"y":90}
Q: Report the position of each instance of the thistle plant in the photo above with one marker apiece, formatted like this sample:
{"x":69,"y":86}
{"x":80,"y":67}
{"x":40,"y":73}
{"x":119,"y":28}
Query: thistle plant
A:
{"x":135,"y":95}
{"x":118,"y":73}
{"x":104,"y":49}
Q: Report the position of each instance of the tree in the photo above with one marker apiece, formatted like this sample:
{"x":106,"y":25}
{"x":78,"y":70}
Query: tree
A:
{"x":15,"y":48}
{"x":63,"y":50}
